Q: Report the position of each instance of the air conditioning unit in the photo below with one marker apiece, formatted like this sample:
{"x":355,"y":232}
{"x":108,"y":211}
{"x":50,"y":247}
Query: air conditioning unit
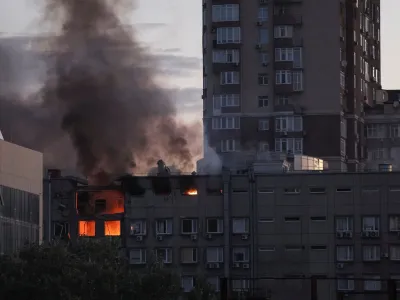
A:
{"x":246,"y":266}
{"x":374,"y":234}
{"x":236,"y":265}
{"x":159,"y":237}
{"x":213,"y":30}
{"x":216,"y":266}
{"x":258,"y":46}
{"x":210,"y":266}
{"x":344,"y":63}
{"x":209,"y":236}
{"x":340,"y":265}
{"x":193,"y":237}
{"x":139,"y":238}
{"x":245,"y":236}
{"x":265,"y":64}
{"x":349,"y":234}
{"x":385,"y":255}
{"x":285,"y":133}
{"x":339,"y":235}
{"x":259,"y":23}
{"x":365,"y":234}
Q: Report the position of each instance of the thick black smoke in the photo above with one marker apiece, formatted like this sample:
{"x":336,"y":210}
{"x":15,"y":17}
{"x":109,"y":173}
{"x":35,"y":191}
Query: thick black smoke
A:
{"x":101,"y":91}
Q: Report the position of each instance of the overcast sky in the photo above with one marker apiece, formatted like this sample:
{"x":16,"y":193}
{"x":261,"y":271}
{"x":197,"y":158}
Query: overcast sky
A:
{"x":173,"y":29}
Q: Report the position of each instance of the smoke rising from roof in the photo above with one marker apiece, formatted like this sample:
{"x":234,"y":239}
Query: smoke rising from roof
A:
{"x":100,"y":98}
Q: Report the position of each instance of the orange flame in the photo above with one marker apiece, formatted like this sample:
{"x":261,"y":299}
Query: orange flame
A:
{"x":112,"y":228}
{"x":191,"y":192}
{"x":87,"y":228}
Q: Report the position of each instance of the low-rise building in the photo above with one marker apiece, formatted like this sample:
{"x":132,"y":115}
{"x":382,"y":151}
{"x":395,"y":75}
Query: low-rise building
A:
{"x":21,"y":204}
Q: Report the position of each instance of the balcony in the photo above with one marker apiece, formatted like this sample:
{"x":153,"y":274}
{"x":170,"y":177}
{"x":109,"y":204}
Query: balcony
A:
{"x":288,"y":19}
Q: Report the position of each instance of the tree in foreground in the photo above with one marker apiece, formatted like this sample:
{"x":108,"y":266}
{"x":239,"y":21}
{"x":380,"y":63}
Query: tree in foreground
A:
{"x":91,"y":270}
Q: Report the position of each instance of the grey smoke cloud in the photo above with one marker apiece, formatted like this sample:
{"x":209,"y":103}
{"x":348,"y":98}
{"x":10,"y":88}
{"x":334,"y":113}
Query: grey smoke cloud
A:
{"x":100,"y":103}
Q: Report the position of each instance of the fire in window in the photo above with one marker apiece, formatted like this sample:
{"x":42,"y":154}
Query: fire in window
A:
{"x":87,"y":228}
{"x":112,"y":228}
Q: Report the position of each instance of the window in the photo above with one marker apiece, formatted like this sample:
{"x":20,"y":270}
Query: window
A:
{"x":187,"y":283}
{"x":344,"y":253}
{"x":226,"y":100}
{"x":164,"y":227}
{"x":395,"y":130}
{"x":317,"y":190}
{"x":283,"y":31}
{"x":292,"y":190}
{"x":343,"y":190}
{"x":240,"y":285}
{"x":318,"y":247}
{"x":189,"y":255}
{"x":215,"y":226}
{"x":137,"y":256}
{"x":345,"y":284}
{"x":294,"y":145}
{"x":230,"y":78}
{"x":292,"y":219}
{"x":263,"y":124}
{"x":373,"y":283}
{"x":297,"y":58}
{"x":318,"y":219}
{"x":371,"y":253}
{"x":342,"y":80}
{"x":293,"y":248}
{"x":226,"y":56}
{"x":224,"y":13}
{"x":165,"y":255}
{"x":189,"y":226}
{"x":262,"y":101}
{"x":263,"y":14}
{"x":266,"y":191}
{"x":283,"y":54}
{"x":394,"y":223}
{"x":375,"y":130}
{"x":214,"y":282}
{"x":266,"y":220}
{"x":240,"y":225}
{"x":343,"y":146}
{"x":263,"y":79}
{"x":229,"y":146}
{"x":282,"y":100}
{"x":264,"y":57}
{"x":283,"y":77}
{"x":263,"y":36}
{"x":297,"y":78}
{"x":263,"y":146}
{"x":394,"y":252}
{"x":288,"y":123}
{"x":370,"y":223}
{"x":266,"y":249}
{"x":344,"y":224}
{"x":240,"y":254}
{"x":226,"y":123}
{"x":138,"y":227}
{"x":228,"y":35}
{"x":215,"y":254}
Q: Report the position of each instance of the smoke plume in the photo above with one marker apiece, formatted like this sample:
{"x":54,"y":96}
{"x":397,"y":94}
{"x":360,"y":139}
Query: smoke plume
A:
{"x":100,"y":103}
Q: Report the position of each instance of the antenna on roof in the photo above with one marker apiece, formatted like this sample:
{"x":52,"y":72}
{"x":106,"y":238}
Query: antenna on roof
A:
{"x":1,"y":136}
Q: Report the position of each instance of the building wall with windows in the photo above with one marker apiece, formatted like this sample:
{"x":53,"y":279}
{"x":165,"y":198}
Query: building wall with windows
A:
{"x":340,"y":225}
{"x":21,"y":205}
{"x":317,"y":61}
{"x":382,"y":131}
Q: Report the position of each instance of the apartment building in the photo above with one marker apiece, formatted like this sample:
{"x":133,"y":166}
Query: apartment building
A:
{"x":290,"y":76}
{"x":21,"y":173}
{"x":382,"y":123}
{"x":330,"y":225}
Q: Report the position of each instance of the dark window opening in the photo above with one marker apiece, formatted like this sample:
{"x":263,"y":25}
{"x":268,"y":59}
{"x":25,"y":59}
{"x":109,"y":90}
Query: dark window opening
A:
{"x":188,"y":186}
{"x":161,"y":186}
{"x":214,"y":192}
{"x":82,"y":202}
{"x":61,"y":229}
{"x":322,"y":218}
{"x":131,"y":185}
{"x":317,"y":190}
{"x":100,"y":206}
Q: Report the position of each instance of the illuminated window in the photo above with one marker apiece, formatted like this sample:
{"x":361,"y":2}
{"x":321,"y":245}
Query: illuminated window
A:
{"x":112,"y":228}
{"x":87,"y":228}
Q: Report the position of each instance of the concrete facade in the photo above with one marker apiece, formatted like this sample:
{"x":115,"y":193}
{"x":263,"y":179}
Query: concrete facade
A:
{"x":21,"y":173}
{"x":330,"y":225}
{"x":382,"y":131}
{"x":290,"y":75}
